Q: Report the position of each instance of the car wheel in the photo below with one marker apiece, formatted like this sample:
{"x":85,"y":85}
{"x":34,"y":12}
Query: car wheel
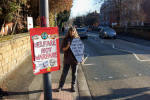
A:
{"x":102,"y":37}
{"x":114,"y":37}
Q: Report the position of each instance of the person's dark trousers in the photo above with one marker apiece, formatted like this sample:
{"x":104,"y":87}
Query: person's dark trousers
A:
{"x":65,"y":72}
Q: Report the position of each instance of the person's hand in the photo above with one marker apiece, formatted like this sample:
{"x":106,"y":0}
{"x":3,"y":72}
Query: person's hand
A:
{"x":68,"y":45}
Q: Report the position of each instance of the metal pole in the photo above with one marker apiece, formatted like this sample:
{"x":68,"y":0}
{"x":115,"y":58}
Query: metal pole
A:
{"x":44,"y":16}
{"x":44,"y":13}
{"x":47,"y":86}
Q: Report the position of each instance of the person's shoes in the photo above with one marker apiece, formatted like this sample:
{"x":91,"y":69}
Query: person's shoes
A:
{"x":58,"y":89}
{"x":73,"y":89}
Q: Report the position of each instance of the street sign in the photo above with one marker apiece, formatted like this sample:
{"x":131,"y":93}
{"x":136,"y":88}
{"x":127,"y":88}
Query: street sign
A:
{"x":77,"y":48}
{"x":45,"y":49}
{"x":29,"y":23}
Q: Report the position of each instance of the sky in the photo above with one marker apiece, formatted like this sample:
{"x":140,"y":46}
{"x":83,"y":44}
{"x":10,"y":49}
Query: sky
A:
{"x":82,"y":7}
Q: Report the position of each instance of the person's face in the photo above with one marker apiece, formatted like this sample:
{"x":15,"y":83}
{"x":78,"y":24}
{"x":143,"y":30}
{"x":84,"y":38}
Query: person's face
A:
{"x":72,"y":33}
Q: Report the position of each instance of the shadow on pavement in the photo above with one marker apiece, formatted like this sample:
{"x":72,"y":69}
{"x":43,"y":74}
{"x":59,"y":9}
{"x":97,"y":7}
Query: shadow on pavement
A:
{"x":7,"y":93}
{"x":67,"y":90}
{"x":128,"y":93}
{"x":132,"y":38}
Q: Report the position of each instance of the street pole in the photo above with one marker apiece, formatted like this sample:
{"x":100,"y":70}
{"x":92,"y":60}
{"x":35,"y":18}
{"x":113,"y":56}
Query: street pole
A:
{"x":44,"y":16}
{"x":44,"y":13}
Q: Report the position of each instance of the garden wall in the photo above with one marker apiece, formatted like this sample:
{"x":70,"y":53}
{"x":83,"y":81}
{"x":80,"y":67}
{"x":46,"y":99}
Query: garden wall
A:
{"x":13,"y":52}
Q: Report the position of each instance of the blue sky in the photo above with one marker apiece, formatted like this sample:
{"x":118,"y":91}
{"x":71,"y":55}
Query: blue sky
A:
{"x":82,"y":7}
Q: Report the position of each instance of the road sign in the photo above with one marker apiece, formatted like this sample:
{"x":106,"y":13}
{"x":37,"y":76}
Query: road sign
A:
{"x":45,"y":49}
{"x":29,"y":22}
{"x":77,"y":48}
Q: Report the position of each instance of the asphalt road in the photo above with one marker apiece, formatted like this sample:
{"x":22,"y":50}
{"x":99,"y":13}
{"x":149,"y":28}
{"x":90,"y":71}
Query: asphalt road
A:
{"x":117,"y":69}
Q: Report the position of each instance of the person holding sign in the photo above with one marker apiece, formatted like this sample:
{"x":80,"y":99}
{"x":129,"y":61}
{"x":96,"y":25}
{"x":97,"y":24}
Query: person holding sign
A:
{"x":69,"y":59}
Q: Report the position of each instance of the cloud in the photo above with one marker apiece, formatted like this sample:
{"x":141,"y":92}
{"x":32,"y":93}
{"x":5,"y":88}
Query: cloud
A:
{"x":82,"y":7}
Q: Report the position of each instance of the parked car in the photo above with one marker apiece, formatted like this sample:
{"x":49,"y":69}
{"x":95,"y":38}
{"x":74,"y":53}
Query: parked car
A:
{"x":107,"y":32}
{"x":82,"y":33}
{"x":100,"y":27}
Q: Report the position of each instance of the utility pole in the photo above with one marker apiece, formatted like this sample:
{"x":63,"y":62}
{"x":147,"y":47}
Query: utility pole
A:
{"x":44,"y":16}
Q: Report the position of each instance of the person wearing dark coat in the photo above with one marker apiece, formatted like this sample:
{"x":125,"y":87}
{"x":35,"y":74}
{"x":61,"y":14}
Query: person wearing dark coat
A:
{"x":69,"y":59}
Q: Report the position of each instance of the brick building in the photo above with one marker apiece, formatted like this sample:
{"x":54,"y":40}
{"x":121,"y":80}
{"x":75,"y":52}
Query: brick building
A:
{"x":127,"y":12}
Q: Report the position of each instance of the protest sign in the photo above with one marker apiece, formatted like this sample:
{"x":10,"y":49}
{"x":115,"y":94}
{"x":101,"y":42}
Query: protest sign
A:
{"x":45,"y":49}
{"x":77,"y":48}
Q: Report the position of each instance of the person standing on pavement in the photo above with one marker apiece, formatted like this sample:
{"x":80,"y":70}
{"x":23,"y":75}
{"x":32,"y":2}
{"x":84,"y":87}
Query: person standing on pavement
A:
{"x":69,"y":59}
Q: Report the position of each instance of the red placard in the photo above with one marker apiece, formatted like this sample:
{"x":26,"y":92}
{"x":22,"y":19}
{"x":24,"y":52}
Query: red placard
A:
{"x":45,"y":49}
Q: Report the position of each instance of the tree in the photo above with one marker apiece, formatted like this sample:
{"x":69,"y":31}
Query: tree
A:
{"x":92,"y":19}
{"x":123,"y":11}
{"x":79,"y":21}
{"x":62,"y":18}
{"x":11,"y":11}
{"x":16,"y":11}
{"x":8,"y":10}
{"x":56,"y":7}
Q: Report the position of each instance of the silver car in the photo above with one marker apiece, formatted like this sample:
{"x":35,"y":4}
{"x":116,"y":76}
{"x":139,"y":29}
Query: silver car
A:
{"x":107,"y":32}
{"x":82,"y":33}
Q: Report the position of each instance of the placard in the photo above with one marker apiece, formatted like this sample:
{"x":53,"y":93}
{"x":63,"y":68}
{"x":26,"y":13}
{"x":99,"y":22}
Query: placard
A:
{"x":45,"y":49}
{"x":77,"y":48}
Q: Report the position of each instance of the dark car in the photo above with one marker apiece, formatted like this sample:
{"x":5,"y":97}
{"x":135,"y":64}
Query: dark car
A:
{"x":107,"y":32}
{"x":82,"y":33}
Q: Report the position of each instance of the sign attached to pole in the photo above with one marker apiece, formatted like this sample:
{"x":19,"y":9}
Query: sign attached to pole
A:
{"x":29,"y":22}
{"x":45,"y":49}
{"x":77,"y":48}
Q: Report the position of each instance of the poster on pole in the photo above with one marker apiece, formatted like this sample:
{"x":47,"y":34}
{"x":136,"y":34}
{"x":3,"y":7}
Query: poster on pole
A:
{"x":29,"y":23}
{"x":45,"y":49}
{"x":77,"y":47}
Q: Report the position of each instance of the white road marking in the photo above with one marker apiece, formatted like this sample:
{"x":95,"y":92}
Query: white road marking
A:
{"x":124,"y":75}
{"x":113,"y":46}
{"x":135,"y":55}
{"x":95,"y":78}
{"x":110,"y":77}
{"x":139,"y":58}
{"x":88,"y":64}
{"x":139,"y":74}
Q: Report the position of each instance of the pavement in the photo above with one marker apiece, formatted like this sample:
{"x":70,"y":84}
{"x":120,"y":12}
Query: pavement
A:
{"x":21,"y":84}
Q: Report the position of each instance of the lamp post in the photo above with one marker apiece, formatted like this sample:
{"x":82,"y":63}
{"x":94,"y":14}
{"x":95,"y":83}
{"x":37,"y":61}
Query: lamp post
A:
{"x":44,"y":16}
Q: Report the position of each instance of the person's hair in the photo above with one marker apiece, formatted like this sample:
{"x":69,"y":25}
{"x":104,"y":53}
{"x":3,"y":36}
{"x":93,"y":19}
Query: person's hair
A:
{"x":71,"y":29}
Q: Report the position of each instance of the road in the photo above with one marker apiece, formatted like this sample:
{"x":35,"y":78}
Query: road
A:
{"x":117,"y":69}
